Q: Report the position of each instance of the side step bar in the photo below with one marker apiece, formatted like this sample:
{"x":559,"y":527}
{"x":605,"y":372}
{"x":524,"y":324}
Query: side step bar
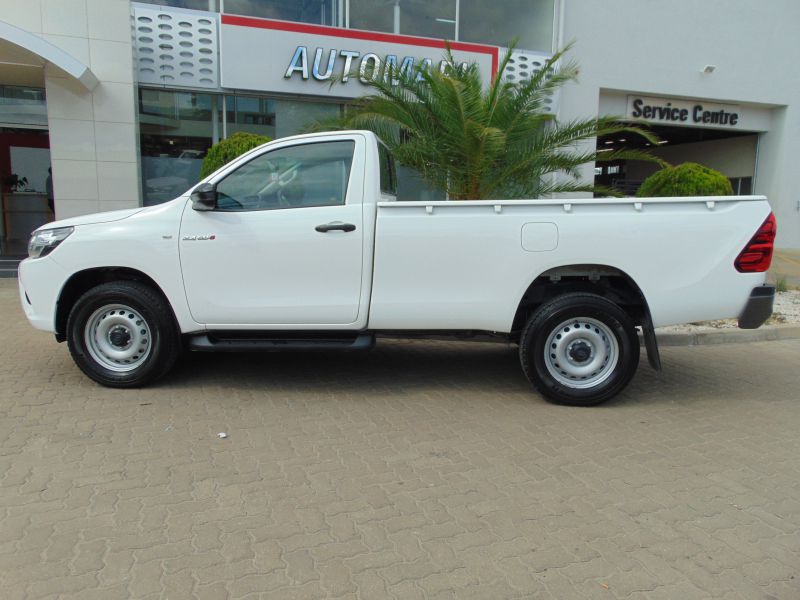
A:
{"x":214,"y":343}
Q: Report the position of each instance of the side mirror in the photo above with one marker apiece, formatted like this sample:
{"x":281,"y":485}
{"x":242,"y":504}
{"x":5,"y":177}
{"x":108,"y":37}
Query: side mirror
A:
{"x":204,"y":197}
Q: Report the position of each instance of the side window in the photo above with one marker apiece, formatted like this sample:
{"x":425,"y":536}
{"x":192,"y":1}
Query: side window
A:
{"x":388,"y":174}
{"x":314,"y":174}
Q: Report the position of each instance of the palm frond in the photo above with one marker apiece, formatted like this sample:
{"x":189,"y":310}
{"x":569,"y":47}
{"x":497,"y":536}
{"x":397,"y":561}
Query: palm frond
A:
{"x":481,"y":141}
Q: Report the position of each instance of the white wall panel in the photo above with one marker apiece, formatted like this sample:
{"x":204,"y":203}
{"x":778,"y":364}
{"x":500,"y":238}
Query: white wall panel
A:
{"x":64,"y":17}
{"x":660,"y":49}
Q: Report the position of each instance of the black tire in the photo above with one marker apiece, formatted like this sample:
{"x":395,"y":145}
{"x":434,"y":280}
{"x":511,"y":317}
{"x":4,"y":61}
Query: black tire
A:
{"x":621,"y":353}
{"x":162,"y":342}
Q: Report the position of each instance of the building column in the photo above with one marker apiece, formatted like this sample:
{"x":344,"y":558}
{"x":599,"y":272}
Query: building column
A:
{"x":777,"y":154}
{"x":93,"y":135}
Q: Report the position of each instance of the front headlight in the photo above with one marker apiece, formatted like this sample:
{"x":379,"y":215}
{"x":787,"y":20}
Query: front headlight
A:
{"x":45,"y":241}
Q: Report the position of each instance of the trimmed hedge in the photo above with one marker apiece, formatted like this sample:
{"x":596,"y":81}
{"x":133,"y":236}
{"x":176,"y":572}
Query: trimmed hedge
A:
{"x":231,"y":147}
{"x":687,"y":179}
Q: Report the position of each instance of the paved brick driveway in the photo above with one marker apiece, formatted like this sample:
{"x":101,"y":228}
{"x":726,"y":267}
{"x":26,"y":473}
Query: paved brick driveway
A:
{"x":418,"y":470}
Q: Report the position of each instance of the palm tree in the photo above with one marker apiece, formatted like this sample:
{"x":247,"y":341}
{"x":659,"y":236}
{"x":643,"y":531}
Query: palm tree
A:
{"x":476,"y":142}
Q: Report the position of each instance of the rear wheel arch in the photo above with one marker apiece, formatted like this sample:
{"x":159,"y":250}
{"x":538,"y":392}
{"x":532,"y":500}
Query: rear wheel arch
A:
{"x":579,"y":349}
{"x":82,"y":281}
{"x":606,"y":281}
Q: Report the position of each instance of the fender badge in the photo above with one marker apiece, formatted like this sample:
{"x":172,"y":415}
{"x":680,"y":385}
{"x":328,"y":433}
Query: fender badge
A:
{"x":198,"y":238}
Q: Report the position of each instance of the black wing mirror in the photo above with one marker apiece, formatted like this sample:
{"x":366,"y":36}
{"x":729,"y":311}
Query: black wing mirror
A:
{"x":204,"y":197}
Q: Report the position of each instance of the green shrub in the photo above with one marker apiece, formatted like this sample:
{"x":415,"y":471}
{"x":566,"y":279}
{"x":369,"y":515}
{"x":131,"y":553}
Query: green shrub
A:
{"x":687,"y":179}
{"x":781,"y":285}
{"x":231,"y":147}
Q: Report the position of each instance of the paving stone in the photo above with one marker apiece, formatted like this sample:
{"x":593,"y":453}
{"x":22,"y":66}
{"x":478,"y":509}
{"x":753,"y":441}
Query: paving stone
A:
{"x":419,"y":470}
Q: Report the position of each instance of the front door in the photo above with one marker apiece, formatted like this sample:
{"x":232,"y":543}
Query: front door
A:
{"x":284,"y":245}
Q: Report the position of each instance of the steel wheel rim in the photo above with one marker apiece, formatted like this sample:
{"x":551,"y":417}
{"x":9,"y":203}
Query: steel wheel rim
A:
{"x":581,"y":353}
{"x":118,"y":337}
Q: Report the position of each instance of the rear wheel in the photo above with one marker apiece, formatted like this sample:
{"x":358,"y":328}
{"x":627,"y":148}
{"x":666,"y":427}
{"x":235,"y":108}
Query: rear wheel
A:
{"x":122,"y":334}
{"x":579,"y":349}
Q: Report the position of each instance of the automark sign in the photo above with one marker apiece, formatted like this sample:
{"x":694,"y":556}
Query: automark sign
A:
{"x":696,"y":113}
{"x":278,"y":56}
{"x":323,"y":65}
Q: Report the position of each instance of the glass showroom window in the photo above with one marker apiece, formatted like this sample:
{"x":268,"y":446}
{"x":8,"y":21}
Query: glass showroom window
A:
{"x":176,"y":129}
{"x":318,"y":12}
{"x":427,"y":18}
{"x":211,"y":5}
{"x":482,"y":21}
{"x":273,"y":117}
{"x":22,"y":105}
{"x":252,"y":114}
{"x":293,"y":117}
{"x":498,"y":23}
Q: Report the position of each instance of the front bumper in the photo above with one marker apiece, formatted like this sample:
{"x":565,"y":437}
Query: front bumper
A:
{"x":758,"y":308}
{"x":40,"y":283}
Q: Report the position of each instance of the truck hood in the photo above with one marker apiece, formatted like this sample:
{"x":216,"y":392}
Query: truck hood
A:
{"x":102,"y":217}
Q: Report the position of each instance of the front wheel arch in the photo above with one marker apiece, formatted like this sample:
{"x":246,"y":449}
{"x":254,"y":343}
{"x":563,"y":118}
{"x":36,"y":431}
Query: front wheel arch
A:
{"x":81,"y":282}
{"x":103,"y":333}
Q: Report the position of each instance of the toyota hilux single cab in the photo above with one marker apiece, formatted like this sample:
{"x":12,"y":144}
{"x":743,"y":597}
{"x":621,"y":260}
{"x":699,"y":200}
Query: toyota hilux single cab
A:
{"x":300,"y":244}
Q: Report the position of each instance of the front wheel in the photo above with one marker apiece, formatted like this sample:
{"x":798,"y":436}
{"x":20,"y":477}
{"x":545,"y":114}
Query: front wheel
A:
{"x":579,"y":349}
{"x":122,"y":334}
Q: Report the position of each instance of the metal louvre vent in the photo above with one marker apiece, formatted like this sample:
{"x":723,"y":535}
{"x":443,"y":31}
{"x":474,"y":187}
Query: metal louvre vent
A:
{"x":523,"y":65}
{"x":175,"y":47}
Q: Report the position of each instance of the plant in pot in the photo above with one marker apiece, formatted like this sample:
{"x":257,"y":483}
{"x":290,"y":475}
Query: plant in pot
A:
{"x":231,"y":147}
{"x":14,"y":183}
{"x":685,"y":179}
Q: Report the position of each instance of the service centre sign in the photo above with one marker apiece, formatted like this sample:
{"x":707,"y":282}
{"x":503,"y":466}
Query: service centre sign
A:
{"x":670,"y":111}
{"x":278,"y":56}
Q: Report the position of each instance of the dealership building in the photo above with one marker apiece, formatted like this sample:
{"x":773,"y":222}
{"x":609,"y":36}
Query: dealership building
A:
{"x":109,"y":104}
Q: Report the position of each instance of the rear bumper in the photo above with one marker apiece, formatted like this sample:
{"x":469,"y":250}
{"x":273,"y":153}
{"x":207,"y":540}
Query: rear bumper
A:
{"x":758,"y":308}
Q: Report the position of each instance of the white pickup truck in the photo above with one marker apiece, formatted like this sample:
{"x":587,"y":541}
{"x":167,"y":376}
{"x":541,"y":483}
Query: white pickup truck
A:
{"x":300,"y":244}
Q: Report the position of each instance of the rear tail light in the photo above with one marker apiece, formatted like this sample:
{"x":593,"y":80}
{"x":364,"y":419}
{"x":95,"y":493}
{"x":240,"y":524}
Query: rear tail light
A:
{"x":757,"y":255}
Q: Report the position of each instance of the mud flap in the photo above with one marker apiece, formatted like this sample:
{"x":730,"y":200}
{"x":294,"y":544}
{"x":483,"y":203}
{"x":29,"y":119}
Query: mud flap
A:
{"x":651,"y":343}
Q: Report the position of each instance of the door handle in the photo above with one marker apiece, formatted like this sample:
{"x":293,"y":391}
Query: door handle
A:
{"x":335,"y":226}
